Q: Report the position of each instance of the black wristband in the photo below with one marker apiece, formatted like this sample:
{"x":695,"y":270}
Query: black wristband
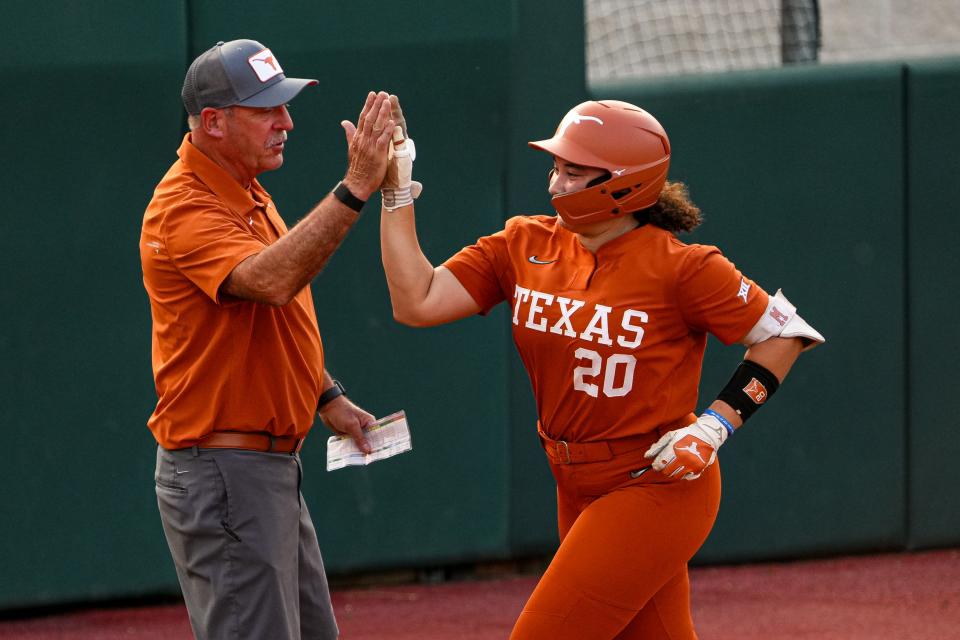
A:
{"x":750,"y":386}
{"x":344,"y":195}
{"x":333,"y":392}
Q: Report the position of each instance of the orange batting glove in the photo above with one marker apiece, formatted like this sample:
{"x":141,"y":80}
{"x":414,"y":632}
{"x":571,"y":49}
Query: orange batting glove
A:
{"x":686,"y":452}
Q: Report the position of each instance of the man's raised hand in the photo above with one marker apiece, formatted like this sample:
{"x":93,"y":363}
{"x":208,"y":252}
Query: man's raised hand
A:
{"x":368,"y":143}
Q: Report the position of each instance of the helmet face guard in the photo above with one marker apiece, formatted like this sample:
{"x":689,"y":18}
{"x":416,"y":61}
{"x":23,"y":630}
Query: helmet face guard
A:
{"x":613,"y":198}
{"x":620,"y":138}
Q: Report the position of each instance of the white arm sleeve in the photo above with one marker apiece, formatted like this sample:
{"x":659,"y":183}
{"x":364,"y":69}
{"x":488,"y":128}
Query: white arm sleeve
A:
{"x":780,"y":319}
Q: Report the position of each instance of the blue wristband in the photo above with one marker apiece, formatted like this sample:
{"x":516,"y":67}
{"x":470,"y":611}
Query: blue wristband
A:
{"x":726,"y":423}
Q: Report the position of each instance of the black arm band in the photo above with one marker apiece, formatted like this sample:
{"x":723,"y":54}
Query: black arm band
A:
{"x":335,"y":391}
{"x":344,"y":195}
{"x":750,"y":386}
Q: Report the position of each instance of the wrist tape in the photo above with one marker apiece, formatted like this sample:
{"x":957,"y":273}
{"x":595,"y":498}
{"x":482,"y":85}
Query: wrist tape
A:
{"x":396,"y":198}
{"x":750,"y":387}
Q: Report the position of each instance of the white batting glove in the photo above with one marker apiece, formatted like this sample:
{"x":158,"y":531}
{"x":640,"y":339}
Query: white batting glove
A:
{"x":398,"y":188}
{"x":688,"y":451}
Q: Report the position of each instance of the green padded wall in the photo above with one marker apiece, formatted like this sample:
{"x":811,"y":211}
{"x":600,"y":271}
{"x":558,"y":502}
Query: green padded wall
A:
{"x":546,"y":79}
{"x":834,"y":183}
{"x":93,"y":126}
{"x":933,"y":93}
{"x":799,"y":173}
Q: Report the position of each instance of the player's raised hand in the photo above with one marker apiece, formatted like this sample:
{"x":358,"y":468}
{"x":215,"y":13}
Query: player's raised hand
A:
{"x":686,"y":452}
{"x":398,"y":188}
{"x":368,"y":143}
{"x":397,"y":114}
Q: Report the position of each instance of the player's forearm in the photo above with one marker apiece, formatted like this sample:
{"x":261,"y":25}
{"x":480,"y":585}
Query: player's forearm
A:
{"x":409,"y":273}
{"x":276,"y":274}
{"x":776,"y":354}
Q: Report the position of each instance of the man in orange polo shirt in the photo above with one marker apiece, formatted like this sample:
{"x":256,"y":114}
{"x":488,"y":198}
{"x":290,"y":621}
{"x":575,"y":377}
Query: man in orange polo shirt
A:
{"x":237,"y":357}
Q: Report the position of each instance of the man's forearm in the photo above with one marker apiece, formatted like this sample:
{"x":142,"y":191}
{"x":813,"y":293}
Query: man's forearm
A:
{"x":276,"y":274}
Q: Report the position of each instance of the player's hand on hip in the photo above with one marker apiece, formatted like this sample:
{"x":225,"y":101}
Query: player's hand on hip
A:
{"x":399,"y":189}
{"x":344,"y":417}
{"x":685,"y":453}
{"x":368,"y":142}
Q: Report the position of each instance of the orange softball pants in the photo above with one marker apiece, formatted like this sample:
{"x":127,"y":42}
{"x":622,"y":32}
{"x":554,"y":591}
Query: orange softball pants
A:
{"x":621,"y":569}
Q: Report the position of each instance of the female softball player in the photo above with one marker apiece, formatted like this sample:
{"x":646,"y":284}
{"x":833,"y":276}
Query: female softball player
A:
{"x":610,"y":314}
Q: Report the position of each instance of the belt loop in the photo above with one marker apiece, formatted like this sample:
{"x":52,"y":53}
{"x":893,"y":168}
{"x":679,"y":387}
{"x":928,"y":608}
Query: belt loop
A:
{"x":270,"y":450}
{"x":566,"y":450}
{"x":196,"y":450}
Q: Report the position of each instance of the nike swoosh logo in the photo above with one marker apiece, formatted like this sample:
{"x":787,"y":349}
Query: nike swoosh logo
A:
{"x":534,"y":260}
{"x":178,"y":472}
{"x":639,"y":472}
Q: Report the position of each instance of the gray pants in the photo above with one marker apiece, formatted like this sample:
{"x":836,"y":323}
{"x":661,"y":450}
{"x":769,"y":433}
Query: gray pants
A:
{"x":244,"y":546}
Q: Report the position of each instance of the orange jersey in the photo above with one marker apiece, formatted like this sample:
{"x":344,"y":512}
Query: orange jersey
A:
{"x":220,"y":362}
{"x":613,"y":342}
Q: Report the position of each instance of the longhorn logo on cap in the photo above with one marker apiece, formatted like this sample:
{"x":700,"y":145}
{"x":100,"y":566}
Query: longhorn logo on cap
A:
{"x":265,"y":65}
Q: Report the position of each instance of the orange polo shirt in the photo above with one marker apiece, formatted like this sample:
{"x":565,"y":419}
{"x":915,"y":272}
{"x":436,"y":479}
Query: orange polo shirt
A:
{"x":221,"y":363}
{"x":613,"y":342}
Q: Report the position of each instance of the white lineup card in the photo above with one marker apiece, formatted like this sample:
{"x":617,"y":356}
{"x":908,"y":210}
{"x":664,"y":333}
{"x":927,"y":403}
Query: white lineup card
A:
{"x":387,"y":436}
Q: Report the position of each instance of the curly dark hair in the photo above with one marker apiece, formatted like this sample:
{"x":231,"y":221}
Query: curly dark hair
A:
{"x":674,"y":211}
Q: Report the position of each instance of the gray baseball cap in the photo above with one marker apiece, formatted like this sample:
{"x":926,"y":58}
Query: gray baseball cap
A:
{"x":239,"y":72}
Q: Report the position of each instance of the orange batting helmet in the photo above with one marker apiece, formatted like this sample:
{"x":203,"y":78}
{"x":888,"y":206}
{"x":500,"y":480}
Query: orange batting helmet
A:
{"x":620,"y":138}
